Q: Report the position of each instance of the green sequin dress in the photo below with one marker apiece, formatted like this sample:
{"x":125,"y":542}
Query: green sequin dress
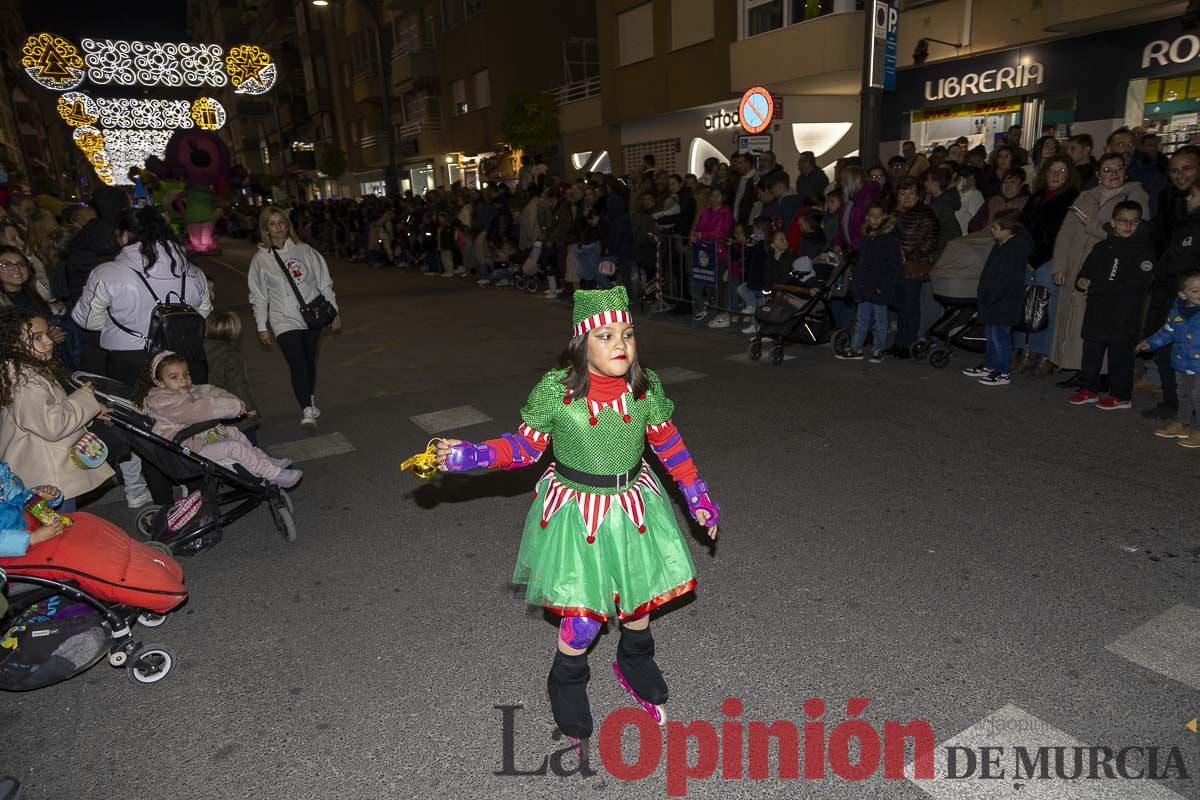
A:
{"x":600,"y":552}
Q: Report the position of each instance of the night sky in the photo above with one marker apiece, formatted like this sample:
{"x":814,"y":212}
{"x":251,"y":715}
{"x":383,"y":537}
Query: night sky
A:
{"x":152,"y":20}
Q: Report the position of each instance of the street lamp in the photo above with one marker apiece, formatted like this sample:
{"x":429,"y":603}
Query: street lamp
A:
{"x":374,"y":11}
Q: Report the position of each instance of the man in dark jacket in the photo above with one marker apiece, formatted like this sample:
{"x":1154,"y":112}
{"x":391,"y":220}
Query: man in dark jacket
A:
{"x":94,"y":245}
{"x":945,"y":202}
{"x":1115,"y":276}
{"x":811,"y":181}
{"x":1183,"y":169}
{"x":919,"y":243}
{"x":1001,"y":296}
{"x":618,"y":242}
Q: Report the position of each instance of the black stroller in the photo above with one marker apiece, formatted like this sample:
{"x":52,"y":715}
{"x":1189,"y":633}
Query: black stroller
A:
{"x":954,"y":280}
{"x":228,"y":493}
{"x":795,"y":314}
{"x":53,"y":630}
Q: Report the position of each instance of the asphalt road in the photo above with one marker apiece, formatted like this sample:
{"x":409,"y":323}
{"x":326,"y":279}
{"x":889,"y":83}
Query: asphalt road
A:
{"x":1009,"y":568}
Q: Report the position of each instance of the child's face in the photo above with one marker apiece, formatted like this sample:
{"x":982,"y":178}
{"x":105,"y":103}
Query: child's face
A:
{"x":999,"y":234}
{"x":175,"y":376}
{"x":1125,"y":222}
{"x":1191,"y":292}
{"x":739,"y":234}
{"x":611,"y":349}
{"x":779,"y":241}
{"x":37,"y":334}
{"x":875,"y":217}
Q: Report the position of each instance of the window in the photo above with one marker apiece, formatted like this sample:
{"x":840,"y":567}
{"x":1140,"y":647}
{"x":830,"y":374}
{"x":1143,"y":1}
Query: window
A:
{"x":309,"y":84}
{"x":763,"y":16}
{"x":483,"y":89}
{"x":635,"y":35}
{"x":454,"y":12}
{"x":691,"y":22}
{"x":472,"y":8}
{"x":458,"y":92}
{"x":362,"y":52}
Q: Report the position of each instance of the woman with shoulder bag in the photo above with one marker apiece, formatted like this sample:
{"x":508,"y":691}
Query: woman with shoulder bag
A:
{"x":919,"y":238}
{"x":291,"y":291}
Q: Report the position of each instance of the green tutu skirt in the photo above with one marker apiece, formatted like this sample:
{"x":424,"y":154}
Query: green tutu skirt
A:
{"x":602,"y":555}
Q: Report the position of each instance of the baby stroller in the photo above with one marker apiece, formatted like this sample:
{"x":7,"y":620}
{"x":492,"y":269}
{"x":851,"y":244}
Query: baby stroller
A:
{"x":799,"y":311}
{"x":955,"y":283}
{"x":530,"y":277}
{"x":228,"y":493}
{"x":53,"y":630}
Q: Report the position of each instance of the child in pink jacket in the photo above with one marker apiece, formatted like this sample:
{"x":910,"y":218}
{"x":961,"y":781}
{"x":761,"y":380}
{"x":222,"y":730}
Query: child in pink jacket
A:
{"x":174,"y":403}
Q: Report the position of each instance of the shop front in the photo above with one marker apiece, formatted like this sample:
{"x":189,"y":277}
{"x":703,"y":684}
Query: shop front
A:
{"x":1143,"y":75}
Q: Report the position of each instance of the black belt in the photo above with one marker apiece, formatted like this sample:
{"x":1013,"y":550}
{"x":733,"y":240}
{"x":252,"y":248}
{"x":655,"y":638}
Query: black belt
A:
{"x":620,"y":481}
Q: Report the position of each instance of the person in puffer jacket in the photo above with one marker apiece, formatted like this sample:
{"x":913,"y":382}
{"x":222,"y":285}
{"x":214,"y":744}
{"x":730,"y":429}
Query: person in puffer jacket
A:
{"x":1182,"y":331}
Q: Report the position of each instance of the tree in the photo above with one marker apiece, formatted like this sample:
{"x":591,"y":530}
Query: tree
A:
{"x":331,"y":160}
{"x":531,"y":120}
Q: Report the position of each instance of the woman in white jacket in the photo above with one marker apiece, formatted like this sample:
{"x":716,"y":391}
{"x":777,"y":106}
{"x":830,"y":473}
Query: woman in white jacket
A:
{"x":281,"y":254}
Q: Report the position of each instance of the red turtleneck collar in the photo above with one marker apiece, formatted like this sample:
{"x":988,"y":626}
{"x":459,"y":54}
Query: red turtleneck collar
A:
{"x":602,"y":388}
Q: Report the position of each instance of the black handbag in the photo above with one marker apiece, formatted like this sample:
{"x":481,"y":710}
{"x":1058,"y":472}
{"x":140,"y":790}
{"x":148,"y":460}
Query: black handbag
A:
{"x":318,"y":313}
{"x":1035,"y":310}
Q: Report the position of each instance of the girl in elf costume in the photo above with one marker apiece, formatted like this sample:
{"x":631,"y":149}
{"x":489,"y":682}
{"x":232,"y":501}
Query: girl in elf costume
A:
{"x":600,"y":540}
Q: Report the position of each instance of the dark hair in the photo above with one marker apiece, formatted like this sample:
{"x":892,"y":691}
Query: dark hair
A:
{"x":710,"y":163}
{"x":145,"y":381}
{"x":1039,"y":181}
{"x":574,"y":358}
{"x":1109,"y":157}
{"x":1036,"y":153}
{"x":908,"y":182}
{"x":941,"y":148}
{"x":940,"y":176}
{"x":149,"y":229}
{"x":648,"y":159}
{"x":1008,"y":220}
{"x":1187,"y":150}
{"x":16,"y":357}
{"x":29,"y":285}
{"x":676,"y":177}
{"x":1118,"y":132}
{"x":1127,"y":205}
{"x":1014,"y":172}
{"x":779,"y":180}
{"x":1188,"y":277}
{"x":897,"y":160}
{"x":1013,"y":153}
{"x":1084,"y":139}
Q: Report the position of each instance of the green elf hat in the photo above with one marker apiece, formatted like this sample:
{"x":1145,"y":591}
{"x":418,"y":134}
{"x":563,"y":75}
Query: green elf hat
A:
{"x":599,"y":307}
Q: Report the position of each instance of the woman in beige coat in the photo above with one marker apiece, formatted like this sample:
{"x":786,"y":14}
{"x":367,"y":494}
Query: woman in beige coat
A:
{"x":1082,"y":229}
{"x":39,"y":421}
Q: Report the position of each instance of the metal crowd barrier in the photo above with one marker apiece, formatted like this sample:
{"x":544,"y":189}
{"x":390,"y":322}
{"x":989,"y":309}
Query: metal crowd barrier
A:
{"x":703,"y":272}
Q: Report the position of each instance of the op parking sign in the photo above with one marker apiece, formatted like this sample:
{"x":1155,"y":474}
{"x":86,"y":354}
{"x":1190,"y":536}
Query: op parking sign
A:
{"x":756,"y":110}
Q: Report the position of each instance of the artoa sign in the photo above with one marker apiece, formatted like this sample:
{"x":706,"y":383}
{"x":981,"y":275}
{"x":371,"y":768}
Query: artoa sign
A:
{"x":985,"y":82}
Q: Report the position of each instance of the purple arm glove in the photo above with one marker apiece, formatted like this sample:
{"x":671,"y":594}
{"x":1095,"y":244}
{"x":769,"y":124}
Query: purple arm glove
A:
{"x":696,"y":495}
{"x":465,"y":457}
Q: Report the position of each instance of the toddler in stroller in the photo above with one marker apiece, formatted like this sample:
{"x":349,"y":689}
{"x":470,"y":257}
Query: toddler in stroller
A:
{"x":799,"y":309}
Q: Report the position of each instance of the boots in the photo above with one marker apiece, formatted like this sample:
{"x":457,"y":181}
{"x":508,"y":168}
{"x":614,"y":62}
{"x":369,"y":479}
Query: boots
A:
{"x":567,"y":687}
{"x":1026,"y":362}
{"x":635,"y":661}
{"x":1042,"y":368}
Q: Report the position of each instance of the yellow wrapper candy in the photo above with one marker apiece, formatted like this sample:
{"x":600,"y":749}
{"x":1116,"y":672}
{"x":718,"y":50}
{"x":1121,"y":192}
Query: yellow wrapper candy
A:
{"x":48,"y":516}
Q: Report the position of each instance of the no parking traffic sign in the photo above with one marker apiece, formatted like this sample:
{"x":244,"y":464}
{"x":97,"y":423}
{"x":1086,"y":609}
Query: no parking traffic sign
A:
{"x":756,"y":110}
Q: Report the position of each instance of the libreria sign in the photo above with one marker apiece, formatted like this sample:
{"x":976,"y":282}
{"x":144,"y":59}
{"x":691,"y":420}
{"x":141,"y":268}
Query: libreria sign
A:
{"x":986,"y":82}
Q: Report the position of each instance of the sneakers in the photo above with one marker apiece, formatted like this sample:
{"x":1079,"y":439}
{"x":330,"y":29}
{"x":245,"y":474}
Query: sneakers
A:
{"x":1191,"y":441}
{"x":309,"y":418}
{"x":876,"y":357}
{"x":719,"y":321}
{"x":1083,"y":397}
{"x":483,"y":282}
{"x":700,"y":314}
{"x":976,"y":372}
{"x":850,"y":355}
{"x":287,"y":478}
{"x":750,"y":329}
{"x":503,"y":282}
{"x":1176,"y":430}
{"x":996,"y":379}
{"x":1111,"y":403}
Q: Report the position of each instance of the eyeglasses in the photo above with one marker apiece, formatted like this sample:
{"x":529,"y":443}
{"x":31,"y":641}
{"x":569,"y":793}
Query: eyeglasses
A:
{"x":1112,"y":170}
{"x":12,"y":265}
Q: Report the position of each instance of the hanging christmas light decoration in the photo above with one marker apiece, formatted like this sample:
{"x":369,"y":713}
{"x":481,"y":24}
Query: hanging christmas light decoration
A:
{"x":208,"y":113}
{"x":250,"y":69}
{"x":153,"y":63}
{"x":124,"y":112}
{"x":89,"y":140}
{"x":77,"y":109}
{"x":52,"y":61}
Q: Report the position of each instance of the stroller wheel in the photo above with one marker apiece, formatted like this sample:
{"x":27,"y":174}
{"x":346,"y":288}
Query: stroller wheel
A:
{"x":919,"y":348}
{"x":286,"y":502}
{"x":150,"y":664}
{"x":161,"y":547}
{"x":840,"y":341}
{"x":777,"y":355}
{"x":287,"y":525}
{"x":939,"y":358}
{"x":145,"y":522}
{"x":148,"y":619}
{"x":755,"y":352}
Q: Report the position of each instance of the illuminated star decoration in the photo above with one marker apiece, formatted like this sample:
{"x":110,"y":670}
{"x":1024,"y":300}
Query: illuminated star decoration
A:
{"x":52,"y":61}
{"x":250,"y":69}
{"x":77,"y":109}
{"x":208,"y":113}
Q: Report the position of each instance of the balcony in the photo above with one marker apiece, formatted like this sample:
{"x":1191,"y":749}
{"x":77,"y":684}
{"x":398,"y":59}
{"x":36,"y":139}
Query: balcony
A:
{"x":373,"y":149}
{"x":574,"y":92}
{"x":1084,"y":16}
{"x":820,"y":56}
{"x":413,"y":60}
{"x":364,"y":86}
{"x":579,"y":104}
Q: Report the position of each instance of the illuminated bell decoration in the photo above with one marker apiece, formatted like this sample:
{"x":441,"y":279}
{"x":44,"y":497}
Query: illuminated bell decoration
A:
{"x":208,"y":113}
{"x":250,"y":69}
{"x":89,"y":140}
{"x":77,"y":109}
{"x":423,"y":465}
{"x":52,"y":61}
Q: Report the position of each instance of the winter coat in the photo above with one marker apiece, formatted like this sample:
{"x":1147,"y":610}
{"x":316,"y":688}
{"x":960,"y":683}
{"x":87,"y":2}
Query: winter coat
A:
{"x":1075,"y":240}
{"x":995,"y":204}
{"x":173,"y":411}
{"x":811,"y":245}
{"x":813,"y":183}
{"x":787,"y":207}
{"x":715,"y":223}
{"x":919,"y":229}
{"x":945,"y":206}
{"x":850,"y":235}
{"x":1181,"y":255}
{"x":94,"y":245}
{"x":1171,"y":212}
{"x":754,"y":265}
{"x":1182,"y":329}
{"x":227,"y":370}
{"x":1119,"y":271}
{"x":271,"y":296}
{"x":1146,"y":171}
{"x":1001,"y":293}
{"x":877,"y":270}
{"x":39,"y":429}
{"x":619,"y":234}
{"x":1044,"y":215}
{"x":743,"y":204}
{"x":779,"y":265}
{"x":535,"y":220}
{"x":645,"y":244}
{"x":115,"y":297}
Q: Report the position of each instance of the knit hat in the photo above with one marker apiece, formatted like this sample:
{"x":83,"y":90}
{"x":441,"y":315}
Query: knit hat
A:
{"x":599,"y":307}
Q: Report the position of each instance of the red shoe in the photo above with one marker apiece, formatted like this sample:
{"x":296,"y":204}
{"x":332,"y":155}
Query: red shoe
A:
{"x":1083,"y":397}
{"x":1111,"y":403}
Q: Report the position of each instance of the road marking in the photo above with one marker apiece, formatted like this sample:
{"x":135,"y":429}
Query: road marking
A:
{"x":227,"y":265}
{"x":669,"y":375}
{"x":744,"y":358}
{"x":1011,"y":727}
{"x":447,"y":419}
{"x":301,"y":450}
{"x":1167,"y":644}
